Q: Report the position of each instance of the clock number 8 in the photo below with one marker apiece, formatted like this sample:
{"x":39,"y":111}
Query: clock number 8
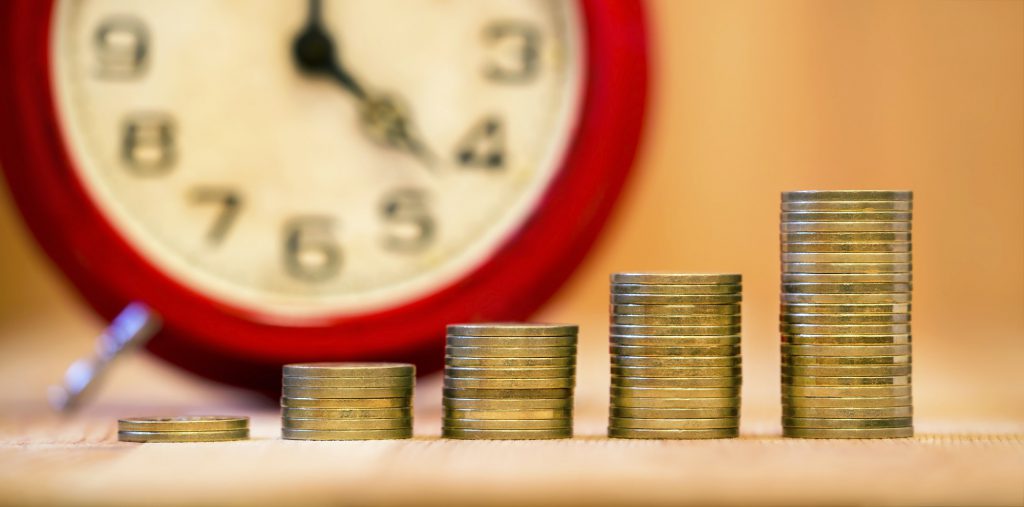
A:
{"x":310,"y":252}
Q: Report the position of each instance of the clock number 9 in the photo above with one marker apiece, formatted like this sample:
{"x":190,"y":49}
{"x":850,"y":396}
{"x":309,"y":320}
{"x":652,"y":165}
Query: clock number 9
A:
{"x":520,"y":44}
{"x":310,"y":252}
{"x":410,"y":227}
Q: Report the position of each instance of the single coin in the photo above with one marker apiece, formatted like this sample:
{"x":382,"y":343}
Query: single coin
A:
{"x":850,"y":402}
{"x":848,"y":257}
{"x":842,"y":299}
{"x":672,"y":434}
{"x":511,"y":362}
{"x":847,"y":195}
{"x":674,"y":424}
{"x":677,"y":278}
{"x":345,"y":403}
{"x":676,"y":361}
{"x":713,"y":351}
{"x":679,"y":372}
{"x":846,"y":288}
{"x":667,"y":392}
{"x":845,"y":350}
{"x":852,"y":309}
{"x":673,"y":310}
{"x":735,"y":381}
{"x":844,"y":278}
{"x":839,"y":339}
{"x":502,"y":394}
{"x":346,"y":424}
{"x":673,"y":341}
{"x":845,"y":319}
{"x":551,"y":413}
{"x":510,"y":373}
{"x":674,"y":403}
{"x":513,"y":329}
{"x":853,"y":226}
{"x":475,"y":434}
{"x":847,"y":247}
{"x":678,"y":290}
{"x":844,"y":329}
{"x":508,"y":424}
{"x":346,"y":392}
{"x":848,"y":432}
{"x":801,"y":422}
{"x":846,"y":216}
{"x":847,"y":267}
{"x":805,"y":380}
{"x":848,"y":206}
{"x":349,"y":370}
{"x":510,"y":351}
{"x":393,"y":434}
{"x":846,"y":237}
{"x":659,"y":299}
{"x":452,"y":403}
{"x":510,"y":383}
{"x":903,"y":359}
{"x":183,"y":423}
{"x":346,"y":413}
{"x":849,"y":413}
{"x":674,"y":330}
{"x":674,"y":413}
{"x":845,"y":391}
{"x":847,"y":371}
{"x":351,"y":382}
{"x":183,"y":436}
{"x":510,"y":341}
{"x":686,"y":320}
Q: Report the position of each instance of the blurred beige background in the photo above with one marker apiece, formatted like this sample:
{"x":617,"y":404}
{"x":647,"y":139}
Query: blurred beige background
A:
{"x":748,"y":99}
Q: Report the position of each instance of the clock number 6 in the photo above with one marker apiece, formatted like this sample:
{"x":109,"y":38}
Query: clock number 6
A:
{"x":310,"y":252}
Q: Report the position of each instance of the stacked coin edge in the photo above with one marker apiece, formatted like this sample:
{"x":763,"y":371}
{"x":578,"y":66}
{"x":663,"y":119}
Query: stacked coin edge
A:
{"x":182,"y":429}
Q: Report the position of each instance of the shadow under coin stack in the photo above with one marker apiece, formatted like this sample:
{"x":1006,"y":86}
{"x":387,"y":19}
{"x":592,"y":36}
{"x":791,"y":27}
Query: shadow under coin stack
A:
{"x":183,"y":429}
{"x":675,"y":354}
{"x":347,"y":401}
{"x":845,"y":314}
{"x":509,"y":381}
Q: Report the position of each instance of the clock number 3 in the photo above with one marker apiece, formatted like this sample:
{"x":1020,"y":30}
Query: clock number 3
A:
{"x":515,"y":51}
{"x":310,"y":252}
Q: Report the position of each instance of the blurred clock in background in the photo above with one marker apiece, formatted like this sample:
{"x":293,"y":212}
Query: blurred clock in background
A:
{"x":291,"y":181}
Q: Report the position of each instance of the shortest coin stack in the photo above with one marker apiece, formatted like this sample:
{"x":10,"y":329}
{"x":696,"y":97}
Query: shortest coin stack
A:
{"x":183,"y":429}
{"x":347,"y":401}
{"x":509,"y":381}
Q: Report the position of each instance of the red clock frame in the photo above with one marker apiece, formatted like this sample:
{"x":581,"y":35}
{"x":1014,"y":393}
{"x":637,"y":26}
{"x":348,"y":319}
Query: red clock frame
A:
{"x":239,"y":347}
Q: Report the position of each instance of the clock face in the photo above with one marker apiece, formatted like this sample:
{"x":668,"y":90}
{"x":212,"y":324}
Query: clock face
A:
{"x":303,"y":160}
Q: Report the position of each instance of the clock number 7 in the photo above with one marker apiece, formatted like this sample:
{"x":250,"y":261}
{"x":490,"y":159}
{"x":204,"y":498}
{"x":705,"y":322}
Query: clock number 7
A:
{"x":310,"y":252}
{"x":230,"y":202}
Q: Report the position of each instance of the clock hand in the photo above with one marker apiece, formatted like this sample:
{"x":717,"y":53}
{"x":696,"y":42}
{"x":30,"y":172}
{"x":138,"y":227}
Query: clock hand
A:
{"x":315,"y":53}
{"x":387,"y":122}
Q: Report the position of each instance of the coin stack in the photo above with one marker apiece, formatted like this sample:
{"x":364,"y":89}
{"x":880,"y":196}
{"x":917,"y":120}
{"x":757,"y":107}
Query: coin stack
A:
{"x":347,"y":401}
{"x":509,"y":381}
{"x":675,"y":353}
{"x":183,"y":429}
{"x":845,"y":314}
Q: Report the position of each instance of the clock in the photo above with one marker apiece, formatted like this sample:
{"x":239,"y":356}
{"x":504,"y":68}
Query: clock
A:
{"x":296,"y":181}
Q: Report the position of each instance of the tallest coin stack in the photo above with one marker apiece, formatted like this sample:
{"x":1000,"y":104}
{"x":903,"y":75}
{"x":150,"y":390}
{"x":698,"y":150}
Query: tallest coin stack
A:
{"x":845,"y":314}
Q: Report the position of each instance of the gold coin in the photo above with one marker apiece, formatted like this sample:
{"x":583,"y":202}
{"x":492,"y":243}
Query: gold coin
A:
{"x":852,"y":309}
{"x":800,"y":422}
{"x":513,"y":329}
{"x":850,"y":402}
{"x":846,"y":391}
{"x":345,"y":403}
{"x":847,"y":371}
{"x":845,"y":329}
{"x":839,"y":339}
{"x":845,"y":319}
{"x":677,"y":361}
{"x":848,"y":433}
{"x":183,"y":423}
{"x":673,"y":310}
{"x":503,"y":394}
{"x":511,"y":362}
{"x":698,"y":353}
{"x":846,"y":216}
{"x":349,"y":370}
{"x":847,"y":267}
{"x":520,"y":405}
{"x":673,"y":341}
{"x":678,"y":290}
{"x":904,"y":205}
{"x":510,"y":373}
{"x":735,"y":381}
{"x":848,"y":257}
{"x":679,"y":372}
{"x":846,"y":288}
{"x":346,"y":392}
{"x":510,"y":351}
{"x":846,"y":237}
{"x":551,"y":413}
{"x":346,"y":413}
{"x":845,"y":350}
{"x":677,"y":278}
{"x":847,"y":195}
{"x":674,"y":424}
{"x":675,"y":403}
{"x":674,"y":413}
{"x":393,"y":434}
{"x":849,"y":413}
{"x":659,"y":299}
{"x":674,"y":330}
{"x":806,"y":380}
{"x":900,"y":359}
{"x":351,"y":382}
{"x":844,"y":278}
{"x":183,"y":436}
{"x":510,"y":341}
{"x":510,"y":383}
{"x":853,"y":226}
{"x":474,"y":434}
{"x":680,"y":392}
{"x":346,"y":424}
{"x":508,"y":424}
{"x":682,"y":320}
{"x":673,"y":434}
{"x":843,"y":299}
{"x":847,"y":247}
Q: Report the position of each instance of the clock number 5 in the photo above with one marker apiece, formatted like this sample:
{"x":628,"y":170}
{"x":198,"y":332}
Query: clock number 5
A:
{"x":410,"y":226}
{"x":516,"y":52}
{"x":310,"y":252}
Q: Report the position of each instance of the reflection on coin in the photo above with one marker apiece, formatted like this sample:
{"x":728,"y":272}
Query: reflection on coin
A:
{"x":508,"y":424}
{"x":510,"y":351}
{"x":674,"y":330}
{"x":510,"y":383}
{"x":903,"y":359}
{"x":853,"y":226}
{"x":845,"y":237}
{"x":849,"y":402}
{"x":183,"y":423}
{"x":801,"y":422}
{"x":674,"y":413}
{"x":734,"y":381}
{"x":889,"y":380}
{"x":674,"y":352}
{"x":847,"y":195}
{"x":677,"y":278}
{"x":345,"y":403}
{"x":674,"y":424}
{"x":854,"y":309}
{"x":676,"y":361}
{"x":846,"y":216}
{"x":349,"y":370}
{"x":351,"y":382}
{"x":902,"y":205}
{"x":660,"y":392}
{"x":681,"y":290}
{"x":346,"y":413}
{"x":183,"y":436}
{"x":847,"y":371}
{"x":845,"y":391}
{"x":673,"y":434}
{"x":563,"y":413}
{"x":346,"y":392}
{"x":684,"y":320}
{"x":512,"y":329}
{"x":847,"y":277}
{"x":847,"y":267}
{"x":346,"y":424}
{"x":713,"y":309}
{"x":845,"y":329}
{"x":686,"y":403}
{"x":848,"y":257}
{"x":659,"y":299}
{"x":673,"y":341}
{"x":506,"y":393}
{"x":511,"y":341}
{"x":846,"y":288}
{"x":507,"y":404}
{"x":846,"y":319}
{"x":511,"y":362}
{"x":842,"y":299}
{"x":849,"y":413}
{"x":475,"y":434}
{"x":845,"y":350}
{"x":681,"y":372}
{"x":509,"y":373}
{"x":846,"y":247}
{"x":848,"y":433}
{"x":839,"y":339}
{"x":296,"y":434}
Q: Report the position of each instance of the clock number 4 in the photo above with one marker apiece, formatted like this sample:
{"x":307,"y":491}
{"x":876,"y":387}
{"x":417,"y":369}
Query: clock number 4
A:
{"x":122,"y":48}
{"x":484,"y":145}
{"x":515,"y":52}
{"x":310,"y":251}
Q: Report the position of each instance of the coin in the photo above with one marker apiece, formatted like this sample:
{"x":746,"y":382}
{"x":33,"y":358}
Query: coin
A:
{"x":854,"y":309}
{"x":676,"y":361}
{"x":682,"y":320}
{"x":674,"y":413}
{"x":846,"y":216}
{"x":511,"y":341}
{"x":677,"y":278}
{"x":846,"y":288}
{"x":510,"y":383}
{"x":346,"y":392}
{"x":510,"y":351}
{"x":392,"y":434}
{"x":849,"y":402}
{"x":475,"y":434}
{"x":845,"y":350}
{"x":847,"y":371}
{"x":845,"y":319}
{"x":658,"y":299}
{"x":674,"y":424}
{"x":351,"y":382}
{"x":849,"y":413}
{"x":507,"y":404}
{"x":183,"y":423}
{"x":551,"y":413}
{"x":349,"y":370}
{"x":903,"y":359}
{"x":846,"y":247}
{"x":842,"y":299}
{"x":673,"y":434}
{"x":847,"y":267}
{"x":346,"y":424}
{"x":499,"y":394}
{"x":511,"y":362}
{"x":800,"y":422}
{"x":844,"y":278}
{"x":888,"y":380}
{"x":848,"y":257}
{"x":183,"y":436}
{"x":848,"y":433}
{"x":346,"y":413}
{"x":713,"y":351}
{"x":679,"y":290}
{"x":839,"y":339}
{"x":512,"y":329}
{"x":680,"y":372}
{"x":845,"y":391}
{"x":674,"y":330}
{"x":674,"y":403}
{"x":735,"y":381}
{"x":847,"y":195}
{"x":905,"y":205}
{"x":509,"y":373}
{"x":845,"y":329}
{"x":853,"y":226}
{"x":845,"y":237}
{"x":674,"y":341}
{"x":345,"y":403}
{"x":715,"y":309}
{"x":667,"y":392}
{"x":508,"y":424}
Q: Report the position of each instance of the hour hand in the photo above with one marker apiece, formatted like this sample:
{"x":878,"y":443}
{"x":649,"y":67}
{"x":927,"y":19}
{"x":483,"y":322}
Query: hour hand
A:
{"x":387,"y":122}
{"x":315,"y":52}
